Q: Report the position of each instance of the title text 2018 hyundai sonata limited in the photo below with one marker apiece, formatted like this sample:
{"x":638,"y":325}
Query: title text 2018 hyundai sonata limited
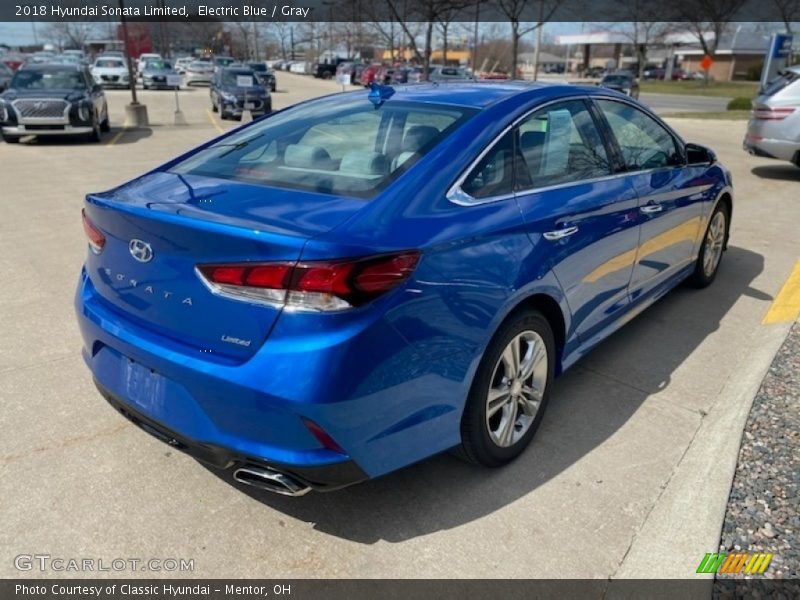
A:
{"x":361,"y":281}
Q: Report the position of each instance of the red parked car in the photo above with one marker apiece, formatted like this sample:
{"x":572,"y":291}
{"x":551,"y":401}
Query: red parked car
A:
{"x":368,"y":74}
{"x":12,"y":61}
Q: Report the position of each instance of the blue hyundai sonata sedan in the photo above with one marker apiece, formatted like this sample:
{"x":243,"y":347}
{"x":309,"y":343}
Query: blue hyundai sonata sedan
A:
{"x":361,"y":281}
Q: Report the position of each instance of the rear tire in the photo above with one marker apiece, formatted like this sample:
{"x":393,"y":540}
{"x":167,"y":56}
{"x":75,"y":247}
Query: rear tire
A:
{"x":714,"y":242}
{"x":506,"y":402}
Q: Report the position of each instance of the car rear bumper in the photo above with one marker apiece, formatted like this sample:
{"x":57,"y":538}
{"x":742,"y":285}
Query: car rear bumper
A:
{"x":46,"y":130}
{"x":771,"y":148}
{"x":320,"y":478}
{"x":372,"y":404}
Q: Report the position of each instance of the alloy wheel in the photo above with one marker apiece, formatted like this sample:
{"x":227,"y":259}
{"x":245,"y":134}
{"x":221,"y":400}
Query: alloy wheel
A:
{"x":516,"y":389}
{"x":715,"y":239}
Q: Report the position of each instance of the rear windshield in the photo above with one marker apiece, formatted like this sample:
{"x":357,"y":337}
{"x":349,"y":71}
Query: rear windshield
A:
{"x":347,"y":149}
{"x":780,"y":82}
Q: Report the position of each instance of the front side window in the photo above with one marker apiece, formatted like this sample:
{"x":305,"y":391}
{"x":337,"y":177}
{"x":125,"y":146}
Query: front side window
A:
{"x":348,"y":148}
{"x":644,"y":143}
{"x":560,"y":144}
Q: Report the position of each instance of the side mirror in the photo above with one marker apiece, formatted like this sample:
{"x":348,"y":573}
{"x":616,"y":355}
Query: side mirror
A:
{"x":699,"y":155}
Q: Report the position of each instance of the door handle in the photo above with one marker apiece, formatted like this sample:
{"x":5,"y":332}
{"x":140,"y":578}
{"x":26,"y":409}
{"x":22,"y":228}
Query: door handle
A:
{"x":651,"y":208}
{"x":560,"y":234}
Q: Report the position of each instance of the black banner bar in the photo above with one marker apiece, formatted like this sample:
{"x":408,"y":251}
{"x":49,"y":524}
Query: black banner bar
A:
{"x":437,"y":589}
{"x":523,"y":11}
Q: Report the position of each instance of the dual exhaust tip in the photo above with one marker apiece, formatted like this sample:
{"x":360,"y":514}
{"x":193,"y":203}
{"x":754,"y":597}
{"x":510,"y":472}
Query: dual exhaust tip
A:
{"x":270,"y":480}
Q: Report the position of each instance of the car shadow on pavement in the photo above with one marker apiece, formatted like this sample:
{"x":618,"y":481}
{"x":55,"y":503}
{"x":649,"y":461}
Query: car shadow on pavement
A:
{"x":443,"y":492}
{"x":116,"y":136}
{"x":785,"y":172}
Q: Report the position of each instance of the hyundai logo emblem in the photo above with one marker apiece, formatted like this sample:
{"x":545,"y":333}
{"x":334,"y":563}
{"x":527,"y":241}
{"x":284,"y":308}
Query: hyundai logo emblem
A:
{"x":140,"y":250}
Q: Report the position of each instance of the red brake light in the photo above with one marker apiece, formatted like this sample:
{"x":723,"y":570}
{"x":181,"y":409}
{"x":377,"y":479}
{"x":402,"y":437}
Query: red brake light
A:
{"x":96,"y":238}
{"x":321,"y":286}
{"x":772,"y":114}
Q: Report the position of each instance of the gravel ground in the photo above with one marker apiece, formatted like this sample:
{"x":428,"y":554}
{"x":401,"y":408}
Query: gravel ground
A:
{"x":762,"y":514}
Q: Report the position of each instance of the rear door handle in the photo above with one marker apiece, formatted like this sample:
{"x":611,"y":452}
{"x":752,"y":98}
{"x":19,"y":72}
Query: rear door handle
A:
{"x":560,"y":234}
{"x":651,"y":208}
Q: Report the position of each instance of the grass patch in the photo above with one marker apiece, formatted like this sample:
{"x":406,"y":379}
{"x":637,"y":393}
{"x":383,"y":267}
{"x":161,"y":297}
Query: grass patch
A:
{"x":719,"y":89}
{"x":722,"y":115}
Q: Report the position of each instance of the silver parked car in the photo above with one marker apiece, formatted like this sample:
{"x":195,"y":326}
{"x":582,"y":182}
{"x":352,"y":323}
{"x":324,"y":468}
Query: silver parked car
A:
{"x":774,"y":127}
{"x":199,"y":72}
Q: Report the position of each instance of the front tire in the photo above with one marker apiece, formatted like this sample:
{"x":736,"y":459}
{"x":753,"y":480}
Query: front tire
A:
{"x":94,"y":137}
{"x":510,"y":391}
{"x":714,"y":243}
{"x":10,"y":139}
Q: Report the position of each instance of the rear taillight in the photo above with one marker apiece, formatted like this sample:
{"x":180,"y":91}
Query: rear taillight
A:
{"x":772,"y":114}
{"x":96,"y":238}
{"x":317,"y":286}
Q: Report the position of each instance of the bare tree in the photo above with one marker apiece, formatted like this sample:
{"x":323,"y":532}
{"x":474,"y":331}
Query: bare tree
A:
{"x":281,"y":32}
{"x":517,"y":10}
{"x":643,"y":30}
{"x":428,"y":12}
{"x":789,"y":11}
{"x":707,"y":20}
{"x":67,"y":34}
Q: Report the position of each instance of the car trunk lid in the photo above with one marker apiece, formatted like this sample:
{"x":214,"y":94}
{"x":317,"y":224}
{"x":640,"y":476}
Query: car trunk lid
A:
{"x":159,"y":228}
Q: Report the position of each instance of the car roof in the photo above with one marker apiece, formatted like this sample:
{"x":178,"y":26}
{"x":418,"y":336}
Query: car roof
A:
{"x":475,"y":94}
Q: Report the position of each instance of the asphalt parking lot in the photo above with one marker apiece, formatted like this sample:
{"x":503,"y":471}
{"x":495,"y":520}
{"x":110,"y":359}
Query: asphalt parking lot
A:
{"x":628,"y":476}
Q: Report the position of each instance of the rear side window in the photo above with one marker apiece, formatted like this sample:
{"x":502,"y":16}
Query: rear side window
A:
{"x":644,"y":143}
{"x":781,"y":82}
{"x":348,"y":148}
{"x":494,"y":174}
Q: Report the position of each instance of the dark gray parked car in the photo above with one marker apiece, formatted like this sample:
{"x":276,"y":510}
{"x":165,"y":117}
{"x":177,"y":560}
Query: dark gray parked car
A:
{"x":621,"y":81}
{"x":5,"y":77}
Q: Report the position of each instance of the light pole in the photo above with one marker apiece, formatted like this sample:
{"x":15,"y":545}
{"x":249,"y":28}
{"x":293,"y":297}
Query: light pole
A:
{"x":135,"y":113}
{"x":329,"y":4}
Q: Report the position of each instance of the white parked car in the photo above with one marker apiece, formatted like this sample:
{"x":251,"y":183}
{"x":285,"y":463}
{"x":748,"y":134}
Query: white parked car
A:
{"x":110,"y":71}
{"x":182,"y":63}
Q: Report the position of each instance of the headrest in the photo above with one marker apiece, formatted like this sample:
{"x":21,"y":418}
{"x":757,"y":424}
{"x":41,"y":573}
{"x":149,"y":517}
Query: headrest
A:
{"x":304,"y":156}
{"x":418,"y":136}
{"x":364,"y":162}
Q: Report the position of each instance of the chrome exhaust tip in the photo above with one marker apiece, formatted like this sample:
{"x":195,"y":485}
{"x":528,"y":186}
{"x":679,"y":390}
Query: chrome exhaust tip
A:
{"x":271,"y":481}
